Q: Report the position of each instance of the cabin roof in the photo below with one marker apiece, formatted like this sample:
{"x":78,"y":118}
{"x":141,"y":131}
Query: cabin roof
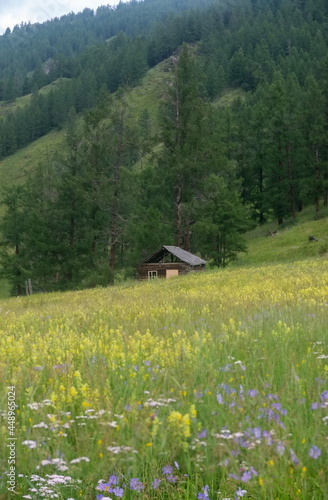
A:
{"x":181,"y":254}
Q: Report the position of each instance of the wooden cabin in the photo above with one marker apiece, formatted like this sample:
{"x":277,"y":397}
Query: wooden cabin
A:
{"x":167,"y":262}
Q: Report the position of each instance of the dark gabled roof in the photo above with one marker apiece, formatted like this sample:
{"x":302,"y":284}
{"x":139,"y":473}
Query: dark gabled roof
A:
{"x":185,"y":256}
{"x":181,"y":254}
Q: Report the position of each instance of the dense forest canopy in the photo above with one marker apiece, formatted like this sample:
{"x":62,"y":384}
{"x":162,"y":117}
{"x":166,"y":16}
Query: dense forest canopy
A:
{"x":211,"y":171}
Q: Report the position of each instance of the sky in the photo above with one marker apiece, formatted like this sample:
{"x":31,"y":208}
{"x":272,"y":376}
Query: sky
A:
{"x":14,"y":12}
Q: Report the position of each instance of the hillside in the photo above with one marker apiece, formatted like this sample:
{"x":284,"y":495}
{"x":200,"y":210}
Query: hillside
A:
{"x":188,"y":135}
{"x":269,"y":244}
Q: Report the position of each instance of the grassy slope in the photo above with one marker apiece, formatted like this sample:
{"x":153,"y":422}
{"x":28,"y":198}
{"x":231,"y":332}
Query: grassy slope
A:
{"x":14,"y":168}
{"x":7,"y":107}
{"x":291,"y":242}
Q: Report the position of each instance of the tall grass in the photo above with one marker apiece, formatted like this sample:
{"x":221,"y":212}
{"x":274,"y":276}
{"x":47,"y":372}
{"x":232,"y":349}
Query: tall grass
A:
{"x":214,"y":384}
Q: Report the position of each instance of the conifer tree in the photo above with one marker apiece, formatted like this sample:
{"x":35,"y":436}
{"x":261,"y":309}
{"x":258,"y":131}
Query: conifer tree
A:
{"x":182,"y":137}
{"x":221,"y":220}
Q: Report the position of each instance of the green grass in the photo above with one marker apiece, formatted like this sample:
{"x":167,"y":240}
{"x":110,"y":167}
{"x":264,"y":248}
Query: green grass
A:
{"x":290,"y":242}
{"x":7,"y":107}
{"x":14,"y":168}
{"x":224,"y":373}
{"x":148,"y":94}
{"x":228,"y":96}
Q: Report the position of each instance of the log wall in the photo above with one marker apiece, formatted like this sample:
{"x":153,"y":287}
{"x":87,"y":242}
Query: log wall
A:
{"x":162,"y":267}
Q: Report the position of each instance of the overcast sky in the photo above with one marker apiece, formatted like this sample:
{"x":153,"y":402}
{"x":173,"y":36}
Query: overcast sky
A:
{"x":16,"y":11}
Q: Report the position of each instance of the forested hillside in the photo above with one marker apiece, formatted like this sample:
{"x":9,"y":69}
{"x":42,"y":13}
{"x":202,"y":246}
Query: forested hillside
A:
{"x":197,"y":172}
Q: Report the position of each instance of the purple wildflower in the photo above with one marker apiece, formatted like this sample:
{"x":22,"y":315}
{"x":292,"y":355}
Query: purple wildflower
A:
{"x":118,"y":492}
{"x":202,"y":434}
{"x":253,"y":471}
{"x":226,"y":368}
{"x":280,"y":448}
{"x":108,"y":486}
{"x":246,"y":476}
{"x":253,"y":392}
{"x":239,"y":493}
{"x":268,"y":437}
{"x":228,"y":390}
{"x":293,"y":457}
{"x":136,"y":485}
{"x":167,"y":469}
{"x":219,"y":399}
{"x":233,"y":476}
{"x":324,"y":396}
{"x":314,"y":452}
{"x":244,"y":443}
{"x":272,"y":396}
{"x":171,"y":479}
{"x":204,"y":495}
{"x":257,"y":432}
{"x":156,"y":483}
{"x":176,"y":465}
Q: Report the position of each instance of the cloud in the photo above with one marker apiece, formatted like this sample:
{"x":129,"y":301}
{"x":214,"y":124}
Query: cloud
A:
{"x":38,"y":11}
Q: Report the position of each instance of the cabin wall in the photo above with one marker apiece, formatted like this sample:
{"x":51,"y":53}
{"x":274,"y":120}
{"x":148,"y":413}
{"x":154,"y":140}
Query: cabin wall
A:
{"x":162,"y":267}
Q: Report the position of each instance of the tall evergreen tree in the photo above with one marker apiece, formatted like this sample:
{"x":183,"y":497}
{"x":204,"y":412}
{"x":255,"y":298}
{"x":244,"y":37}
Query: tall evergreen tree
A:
{"x":182,"y":136}
{"x":221,"y":219}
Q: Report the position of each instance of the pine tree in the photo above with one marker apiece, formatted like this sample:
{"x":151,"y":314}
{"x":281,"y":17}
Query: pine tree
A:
{"x":221,"y":220}
{"x":285,"y":146}
{"x":315,"y":164}
{"x":12,"y":231}
{"x":182,"y":136}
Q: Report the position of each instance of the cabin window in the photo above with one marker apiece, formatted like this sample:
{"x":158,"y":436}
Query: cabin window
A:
{"x":152,"y":275}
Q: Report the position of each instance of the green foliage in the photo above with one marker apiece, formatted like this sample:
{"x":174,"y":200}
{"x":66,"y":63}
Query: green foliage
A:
{"x":182,"y":134}
{"x":242,"y":122}
{"x":221,"y":219}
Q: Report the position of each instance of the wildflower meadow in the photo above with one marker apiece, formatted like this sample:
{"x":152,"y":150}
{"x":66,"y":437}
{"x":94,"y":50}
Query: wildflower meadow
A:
{"x":211,"y":386}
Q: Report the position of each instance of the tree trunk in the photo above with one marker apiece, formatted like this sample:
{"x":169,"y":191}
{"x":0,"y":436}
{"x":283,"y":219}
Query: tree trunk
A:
{"x":117,"y":168}
{"x":317,"y":176}
{"x":113,"y":233}
{"x":280,"y":217}
{"x":187,"y":240}
{"x":178,"y":198}
{"x":300,"y":205}
{"x":261,"y":216}
{"x":291,"y":185}
{"x":18,"y":273}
